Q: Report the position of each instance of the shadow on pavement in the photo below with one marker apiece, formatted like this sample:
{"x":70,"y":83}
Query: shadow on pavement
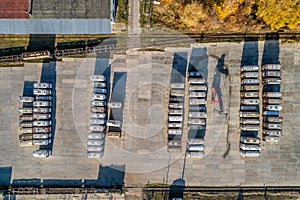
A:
{"x":250,"y":57}
{"x":179,"y":67}
{"x":118,"y":95}
{"x":48,"y":74}
{"x":271,"y":49}
{"x":28,"y":88}
{"x":62,"y":183}
{"x":5,"y":176}
{"x":28,"y":91}
{"x":26,"y":182}
{"x":250,"y":51}
{"x":108,"y":176}
{"x":216,"y":84}
{"x":199,"y":61}
{"x":271,"y":56}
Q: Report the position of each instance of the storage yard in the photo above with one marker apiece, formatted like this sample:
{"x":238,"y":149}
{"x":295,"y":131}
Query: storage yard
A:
{"x":185,"y":113}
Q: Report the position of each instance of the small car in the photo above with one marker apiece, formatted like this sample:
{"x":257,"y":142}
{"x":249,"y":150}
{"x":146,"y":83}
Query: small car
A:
{"x":41,"y":142}
{"x":199,"y":147}
{"x":42,"y":123}
{"x":196,"y":101}
{"x":197,"y":88}
{"x":195,"y":74}
{"x":98,"y":103}
{"x":249,"y":68}
{"x":26,"y":99}
{"x":41,"y":153}
{"x":114,"y":123}
{"x":175,"y":125}
{"x":41,"y":116}
{"x":250,"y":140}
{"x":196,"y":121}
{"x":249,"y":75}
{"x":251,"y":147}
{"x":98,"y":109}
{"x":24,"y":143}
{"x":272,"y":132}
{"x":196,"y":154}
{"x":93,"y":154}
{"x":250,"y":154}
{"x":271,"y":138}
{"x":197,"y":81}
{"x":197,"y":115}
{"x":272,"y":81}
{"x":97,"y":128}
{"x":42,"y":103}
{"x":42,"y":85}
{"x":25,"y":110}
{"x":99,"y":85}
{"x":272,"y":94}
{"x":250,"y":81}
{"x":97,"y":121}
{"x":273,"y":107}
{"x":25,"y":130}
{"x":41,"y":92}
{"x":96,"y":136}
{"x":100,"y":91}
{"x":95,"y":148}
{"x":176,"y":105}
{"x":26,"y":118}
{"x":114,"y":105}
{"x":271,"y":67}
{"x":24,"y":124}
{"x":41,"y":110}
{"x":176,"y":111}
{"x":41,"y":135}
{"x":41,"y":130}
{"x":197,"y":94}
{"x":43,"y":98}
{"x":95,"y":142}
{"x":271,"y":74}
{"x":99,"y":96}
{"x":98,"y":115}
{"x":100,"y":78}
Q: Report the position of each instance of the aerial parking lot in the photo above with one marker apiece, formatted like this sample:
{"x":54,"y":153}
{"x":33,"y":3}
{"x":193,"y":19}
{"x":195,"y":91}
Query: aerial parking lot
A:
{"x":141,"y":80}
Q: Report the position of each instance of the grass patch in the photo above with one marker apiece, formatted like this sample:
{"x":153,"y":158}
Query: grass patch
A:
{"x":122,"y":11}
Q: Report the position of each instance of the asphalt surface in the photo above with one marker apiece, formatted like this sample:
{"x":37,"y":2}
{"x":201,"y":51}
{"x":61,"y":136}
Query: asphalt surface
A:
{"x":142,"y":152}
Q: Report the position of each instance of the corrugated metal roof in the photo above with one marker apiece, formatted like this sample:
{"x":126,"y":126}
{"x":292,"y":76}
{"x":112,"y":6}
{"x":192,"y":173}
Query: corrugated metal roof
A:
{"x":60,"y":26}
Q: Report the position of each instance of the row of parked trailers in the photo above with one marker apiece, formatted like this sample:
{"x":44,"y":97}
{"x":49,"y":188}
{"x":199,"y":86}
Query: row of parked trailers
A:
{"x":176,"y":116}
{"x":272,"y":103}
{"x":196,"y":115}
{"x":96,"y":136}
{"x":249,"y":111}
{"x":98,"y":117}
{"x":36,"y":119}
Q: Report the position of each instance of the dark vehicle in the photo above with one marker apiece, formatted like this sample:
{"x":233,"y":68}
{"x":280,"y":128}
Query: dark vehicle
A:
{"x":43,"y":98}
{"x":249,"y":108}
{"x":198,"y":108}
{"x":271,"y":113}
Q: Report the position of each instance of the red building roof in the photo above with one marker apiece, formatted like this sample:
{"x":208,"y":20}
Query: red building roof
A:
{"x":14,"y":9}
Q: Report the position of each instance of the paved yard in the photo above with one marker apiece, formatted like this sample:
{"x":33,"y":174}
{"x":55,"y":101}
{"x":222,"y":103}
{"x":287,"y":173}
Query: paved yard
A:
{"x":143,"y":146}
